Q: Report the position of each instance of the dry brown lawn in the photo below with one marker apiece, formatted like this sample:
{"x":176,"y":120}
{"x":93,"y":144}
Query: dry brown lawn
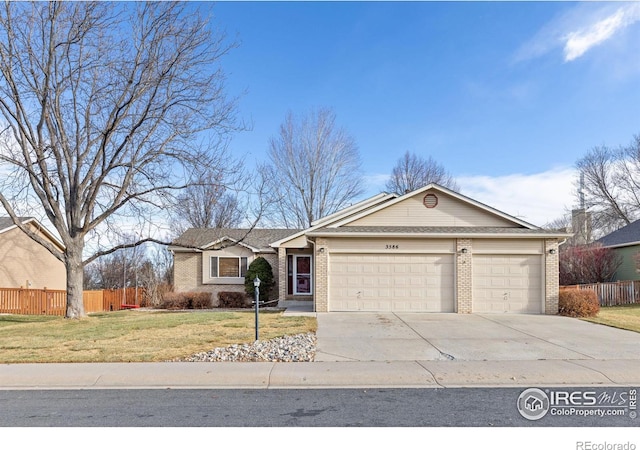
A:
{"x":625,"y":317}
{"x":136,"y":336}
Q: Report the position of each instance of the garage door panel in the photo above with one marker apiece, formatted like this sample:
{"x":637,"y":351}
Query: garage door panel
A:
{"x":403,"y":283}
{"x":507,"y":283}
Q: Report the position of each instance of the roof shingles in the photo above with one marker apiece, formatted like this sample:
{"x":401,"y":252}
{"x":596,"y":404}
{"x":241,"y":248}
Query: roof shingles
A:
{"x":7,"y":222}
{"x":435,"y":230}
{"x":626,"y":235}
{"x":258,"y":238}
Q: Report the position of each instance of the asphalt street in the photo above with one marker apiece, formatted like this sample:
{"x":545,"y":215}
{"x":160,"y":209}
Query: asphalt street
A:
{"x":460,"y":407}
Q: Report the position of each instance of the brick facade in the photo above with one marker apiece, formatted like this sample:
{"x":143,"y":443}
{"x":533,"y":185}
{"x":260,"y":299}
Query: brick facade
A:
{"x":282,"y":271}
{"x":187,"y":271}
{"x":187,"y":276}
{"x":552,"y":276}
{"x":464,"y":275}
{"x":322,"y":268}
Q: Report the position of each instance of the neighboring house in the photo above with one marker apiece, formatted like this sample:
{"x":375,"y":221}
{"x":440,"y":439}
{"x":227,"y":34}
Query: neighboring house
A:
{"x":26,"y":264}
{"x":431,"y":250}
{"x":625,"y":242}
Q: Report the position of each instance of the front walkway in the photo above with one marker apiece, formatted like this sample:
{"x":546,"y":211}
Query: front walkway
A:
{"x":297,"y":308}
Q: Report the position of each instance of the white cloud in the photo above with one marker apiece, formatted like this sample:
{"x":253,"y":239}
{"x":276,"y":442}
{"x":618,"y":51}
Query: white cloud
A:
{"x":536,"y":198}
{"x":579,"y":42}
{"x":580,"y":29}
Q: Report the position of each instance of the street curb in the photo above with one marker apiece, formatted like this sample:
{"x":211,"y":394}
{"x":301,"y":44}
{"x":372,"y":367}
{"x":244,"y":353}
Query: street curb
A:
{"x":320,"y":375}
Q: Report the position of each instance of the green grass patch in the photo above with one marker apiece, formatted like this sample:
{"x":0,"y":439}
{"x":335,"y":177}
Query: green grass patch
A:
{"x":625,"y":317}
{"x":136,"y":336}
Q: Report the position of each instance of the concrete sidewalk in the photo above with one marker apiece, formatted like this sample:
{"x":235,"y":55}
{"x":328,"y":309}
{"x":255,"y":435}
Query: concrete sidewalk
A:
{"x":374,"y":374}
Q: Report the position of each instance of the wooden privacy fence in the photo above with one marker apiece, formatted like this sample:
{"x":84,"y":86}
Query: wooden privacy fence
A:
{"x":54,"y":303}
{"x":613,"y":294}
{"x":33,"y":301}
{"x":117,"y":299}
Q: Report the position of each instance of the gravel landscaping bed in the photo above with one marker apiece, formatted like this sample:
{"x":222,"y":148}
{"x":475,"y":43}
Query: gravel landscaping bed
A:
{"x":296,"y":348}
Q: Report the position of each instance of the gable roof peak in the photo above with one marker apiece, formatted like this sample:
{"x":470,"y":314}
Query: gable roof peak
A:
{"x":353,"y":208}
{"x":444,"y":190}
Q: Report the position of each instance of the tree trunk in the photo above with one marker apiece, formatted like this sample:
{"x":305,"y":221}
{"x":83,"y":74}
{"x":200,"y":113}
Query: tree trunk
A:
{"x":75,"y":279}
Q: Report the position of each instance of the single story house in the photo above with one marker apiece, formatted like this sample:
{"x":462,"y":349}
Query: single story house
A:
{"x":26,"y":264}
{"x":625,"y":242}
{"x":216,"y":259}
{"x":430,"y":250}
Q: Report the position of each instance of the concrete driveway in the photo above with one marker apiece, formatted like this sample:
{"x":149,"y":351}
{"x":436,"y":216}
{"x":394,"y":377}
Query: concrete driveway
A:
{"x":462,"y":337}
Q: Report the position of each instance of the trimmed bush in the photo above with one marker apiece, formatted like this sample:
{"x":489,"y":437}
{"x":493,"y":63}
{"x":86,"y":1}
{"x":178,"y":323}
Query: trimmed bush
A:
{"x":233,"y":300}
{"x":260,"y":268}
{"x":186,"y":300}
{"x":578,"y":303}
{"x":200,"y":300}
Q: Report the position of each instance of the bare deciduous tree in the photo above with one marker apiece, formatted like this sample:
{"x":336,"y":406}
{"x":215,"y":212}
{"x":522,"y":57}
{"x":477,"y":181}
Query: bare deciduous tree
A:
{"x":611,"y":185}
{"x":148,"y":268}
{"x":208,"y":203}
{"x":314,"y":169}
{"x":104,"y":109}
{"x":412,"y":172}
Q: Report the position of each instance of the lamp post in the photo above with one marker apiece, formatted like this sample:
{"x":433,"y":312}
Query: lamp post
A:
{"x":256,"y":284}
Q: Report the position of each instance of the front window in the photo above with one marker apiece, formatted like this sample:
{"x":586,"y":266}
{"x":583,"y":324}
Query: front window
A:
{"x":228,"y":266}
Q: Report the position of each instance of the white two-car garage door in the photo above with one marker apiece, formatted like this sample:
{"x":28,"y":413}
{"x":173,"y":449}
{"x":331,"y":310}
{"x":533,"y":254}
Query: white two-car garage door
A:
{"x":391,"y":282}
{"x":507,"y":283}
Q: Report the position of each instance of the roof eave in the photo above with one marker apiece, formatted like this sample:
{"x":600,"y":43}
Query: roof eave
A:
{"x":32,"y":220}
{"x":505,"y":235}
{"x":623,"y":244}
{"x":353,"y":209}
{"x":371,"y":202}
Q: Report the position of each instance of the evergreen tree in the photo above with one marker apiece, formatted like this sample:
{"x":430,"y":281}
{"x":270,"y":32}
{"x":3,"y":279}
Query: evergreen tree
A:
{"x":260,"y":268}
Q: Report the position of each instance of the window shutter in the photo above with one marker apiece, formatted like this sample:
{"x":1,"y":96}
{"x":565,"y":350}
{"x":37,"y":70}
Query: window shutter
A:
{"x":213,"y":267}
{"x":243,"y":266}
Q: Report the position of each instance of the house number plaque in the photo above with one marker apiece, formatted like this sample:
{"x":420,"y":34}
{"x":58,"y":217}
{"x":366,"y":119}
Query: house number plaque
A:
{"x":392,"y":247}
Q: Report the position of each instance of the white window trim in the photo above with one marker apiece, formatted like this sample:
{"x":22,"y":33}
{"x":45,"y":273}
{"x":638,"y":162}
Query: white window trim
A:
{"x":225,"y":280}
{"x":295,"y":275}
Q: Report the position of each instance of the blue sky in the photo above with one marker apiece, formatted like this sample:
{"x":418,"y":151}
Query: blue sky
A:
{"x":506,"y":95}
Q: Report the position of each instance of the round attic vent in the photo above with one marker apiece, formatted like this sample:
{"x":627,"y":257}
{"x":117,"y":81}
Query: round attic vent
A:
{"x":430,"y":201}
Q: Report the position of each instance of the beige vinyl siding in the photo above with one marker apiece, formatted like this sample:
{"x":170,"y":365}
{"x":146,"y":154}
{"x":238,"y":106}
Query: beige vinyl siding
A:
{"x":390,"y":245}
{"x":448,"y":212}
{"x":299,"y":242}
{"x":386,"y":282}
{"x":499,"y":246}
{"x":24,"y":262}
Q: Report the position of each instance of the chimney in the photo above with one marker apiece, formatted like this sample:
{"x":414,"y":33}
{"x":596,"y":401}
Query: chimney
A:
{"x":581,"y":226}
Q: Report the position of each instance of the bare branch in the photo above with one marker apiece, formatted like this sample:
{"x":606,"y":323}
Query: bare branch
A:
{"x":104,"y":106}
{"x":412,"y":172}
{"x":314,"y":169}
